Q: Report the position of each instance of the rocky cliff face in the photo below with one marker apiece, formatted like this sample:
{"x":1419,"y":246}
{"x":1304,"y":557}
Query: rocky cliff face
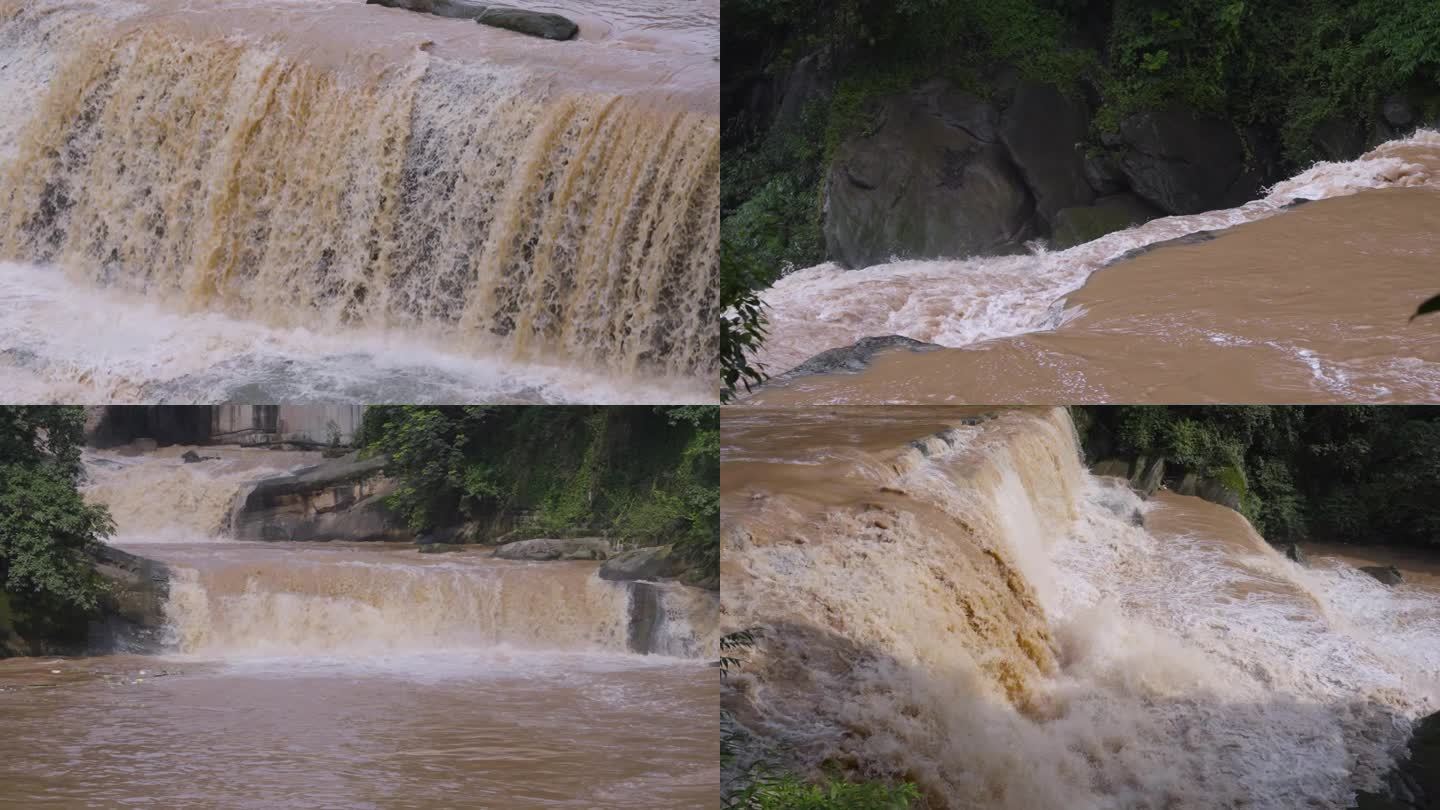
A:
{"x":942,"y":172}
{"x":341,"y":500}
{"x":1414,"y":783}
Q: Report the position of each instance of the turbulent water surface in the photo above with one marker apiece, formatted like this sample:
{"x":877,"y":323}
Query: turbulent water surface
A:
{"x":264,"y":199}
{"x":1285,"y":304}
{"x":959,"y":603}
{"x":358,"y":675}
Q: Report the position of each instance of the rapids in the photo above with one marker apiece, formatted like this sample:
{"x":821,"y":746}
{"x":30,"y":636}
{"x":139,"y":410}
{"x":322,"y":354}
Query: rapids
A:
{"x":1283,"y":304}
{"x":332,"y":200}
{"x":359,"y":674}
{"x":956,"y":601}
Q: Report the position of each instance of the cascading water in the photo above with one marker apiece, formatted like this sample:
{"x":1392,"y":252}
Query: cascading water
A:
{"x":1278,"y":304}
{"x":976,"y":613}
{"x":230,"y":598}
{"x":302,"y":675}
{"x":334,"y":179}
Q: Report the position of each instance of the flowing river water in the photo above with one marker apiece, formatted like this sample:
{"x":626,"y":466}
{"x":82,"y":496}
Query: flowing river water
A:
{"x":284,"y":199}
{"x":1284,"y":304}
{"x":952,"y":599}
{"x":353,"y":675}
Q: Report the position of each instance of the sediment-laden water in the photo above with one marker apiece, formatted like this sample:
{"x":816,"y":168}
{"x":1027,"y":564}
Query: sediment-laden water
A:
{"x":1284,"y":304}
{"x":269,"y":199}
{"x":360,"y":675}
{"x":960,"y":604}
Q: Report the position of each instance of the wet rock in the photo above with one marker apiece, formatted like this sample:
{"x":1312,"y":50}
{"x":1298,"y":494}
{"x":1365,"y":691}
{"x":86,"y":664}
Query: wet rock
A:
{"x":1075,"y":226}
{"x":1397,"y":112}
{"x":192,"y":457}
{"x":658,"y":562}
{"x":1045,"y":131}
{"x":1103,"y":173}
{"x":807,"y":82}
{"x":440,"y":548}
{"x":534,"y":23}
{"x":132,"y":608}
{"x":853,"y":358}
{"x":1186,"y":163}
{"x":1294,"y":554}
{"x":555,"y":548}
{"x":1137,"y":518}
{"x":1414,"y":782}
{"x":1196,"y":238}
{"x":1212,"y":489}
{"x":913,"y":184}
{"x":1387,"y":574}
{"x":456,"y":9}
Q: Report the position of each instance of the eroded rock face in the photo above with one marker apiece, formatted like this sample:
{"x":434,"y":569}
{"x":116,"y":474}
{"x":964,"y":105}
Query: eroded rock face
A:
{"x":919,"y":184}
{"x":658,"y":562}
{"x":554,"y":548}
{"x":535,"y":23}
{"x":132,"y":610}
{"x":1185,"y":163}
{"x":1045,"y":131}
{"x":340,"y":500}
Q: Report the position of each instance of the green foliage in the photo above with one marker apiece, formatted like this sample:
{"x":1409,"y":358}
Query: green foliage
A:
{"x":645,"y":475}
{"x":789,"y":792}
{"x":1345,"y":473}
{"x":45,"y":525}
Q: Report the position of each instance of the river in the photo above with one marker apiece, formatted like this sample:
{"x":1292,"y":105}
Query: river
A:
{"x":353,"y":675}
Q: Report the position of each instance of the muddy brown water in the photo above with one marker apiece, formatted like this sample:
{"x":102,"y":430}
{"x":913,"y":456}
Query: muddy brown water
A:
{"x":1300,"y":304}
{"x":367,"y":676}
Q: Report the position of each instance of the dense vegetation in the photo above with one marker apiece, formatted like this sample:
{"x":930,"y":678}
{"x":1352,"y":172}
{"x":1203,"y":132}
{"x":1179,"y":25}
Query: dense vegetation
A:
{"x":47,"y":582}
{"x":1362,"y":474}
{"x":1280,"y":69}
{"x":644,"y":475}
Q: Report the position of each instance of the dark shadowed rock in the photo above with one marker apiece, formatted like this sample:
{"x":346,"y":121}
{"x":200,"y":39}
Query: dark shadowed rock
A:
{"x":1294,"y":554}
{"x":1414,"y":782}
{"x":1196,"y":238}
{"x":439,"y":548}
{"x":1045,"y":131}
{"x":1104,"y":174}
{"x":1387,"y":574}
{"x":555,"y":548}
{"x":1075,"y":226}
{"x":1185,"y":163}
{"x":807,"y":82}
{"x":853,"y":358}
{"x":915,"y":184}
{"x":1398,"y":112}
{"x":534,"y":23}
{"x":1337,"y":139}
{"x":132,"y":609}
{"x":457,"y":9}
{"x":658,"y":562}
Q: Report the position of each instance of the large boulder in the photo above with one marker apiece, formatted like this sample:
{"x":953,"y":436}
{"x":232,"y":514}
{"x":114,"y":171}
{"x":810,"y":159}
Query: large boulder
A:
{"x":534,"y":23}
{"x":1077,"y":225}
{"x":1224,"y":489}
{"x":1414,"y":782}
{"x":1045,"y":131}
{"x":556,"y":548}
{"x":132,"y":609}
{"x":1186,"y":163}
{"x":457,"y":9}
{"x":340,"y":500}
{"x":658,"y":562}
{"x":1386,"y":574}
{"x":919,"y":184}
